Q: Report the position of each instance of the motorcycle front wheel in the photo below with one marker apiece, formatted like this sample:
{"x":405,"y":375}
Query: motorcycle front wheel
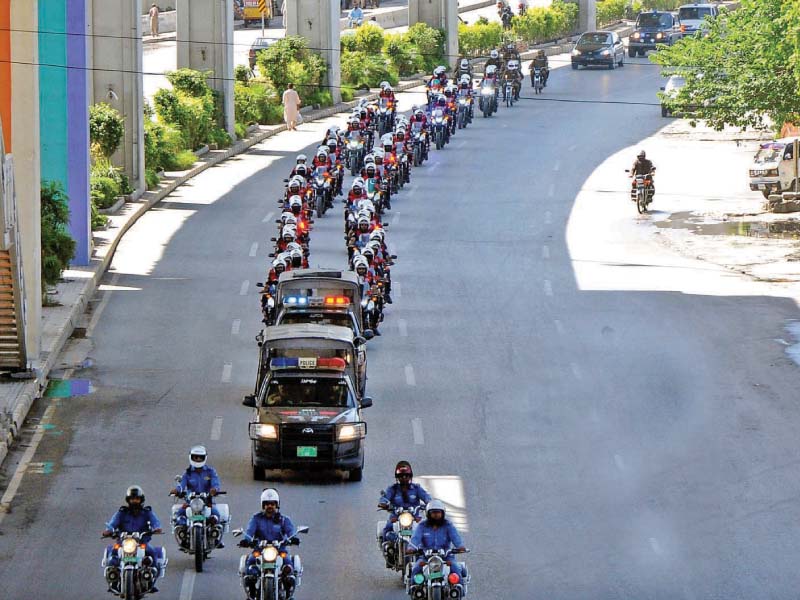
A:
{"x":129,"y":585}
{"x":268,"y":589}
{"x":436,"y":593}
{"x":199,"y":551}
{"x":641,"y":203}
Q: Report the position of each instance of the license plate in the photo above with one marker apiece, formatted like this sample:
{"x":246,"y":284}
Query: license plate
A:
{"x":197,"y":517}
{"x":130,"y":559}
{"x":761,"y":186}
{"x":268,"y":566}
{"x":435,"y":575}
{"x":405,"y":532}
{"x":307,"y":451}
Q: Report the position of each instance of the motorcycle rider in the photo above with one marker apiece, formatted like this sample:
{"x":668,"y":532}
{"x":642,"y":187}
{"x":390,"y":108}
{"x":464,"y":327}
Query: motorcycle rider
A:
{"x":512,"y":73}
{"x":269,"y":525}
{"x":643,"y":166}
{"x":136,"y":518}
{"x":540,"y":62}
{"x":494,"y":59}
{"x":402,"y":494}
{"x":437,"y":533}
{"x":510,"y":52}
{"x":199,"y":478}
{"x":301,"y":160}
{"x":464,"y":68}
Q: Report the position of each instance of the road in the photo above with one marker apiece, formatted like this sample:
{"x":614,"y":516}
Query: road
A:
{"x":606,"y":420}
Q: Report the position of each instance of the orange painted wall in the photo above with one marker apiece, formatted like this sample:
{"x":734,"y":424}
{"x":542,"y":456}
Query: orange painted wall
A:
{"x":5,"y":70}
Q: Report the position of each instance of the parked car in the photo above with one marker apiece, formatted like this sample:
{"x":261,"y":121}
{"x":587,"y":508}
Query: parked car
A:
{"x":602,"y":48}
{"x":258,"y":45}
{"x":773,"y":167}
{"x":653,"y":28}
{"x":692,"y":17}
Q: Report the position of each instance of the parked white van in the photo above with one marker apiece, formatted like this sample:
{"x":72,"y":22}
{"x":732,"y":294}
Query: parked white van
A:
{"x":692,"y":16}
{"x":773,"y":168}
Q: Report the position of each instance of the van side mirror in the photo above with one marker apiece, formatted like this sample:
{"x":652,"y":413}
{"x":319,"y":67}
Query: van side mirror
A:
{"x":366,"y":402}
{"x":249,"y":400}
{"x":368,"y":334}
{"x":359,"y":340}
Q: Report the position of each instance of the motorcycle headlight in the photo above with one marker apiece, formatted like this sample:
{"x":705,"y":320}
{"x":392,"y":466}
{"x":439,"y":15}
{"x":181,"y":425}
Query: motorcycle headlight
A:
{"x":406,"y":520}
{"x":270,"y":554}
{"x":129,"y":545}
{"x":197,"y":505}
{"x":350,"y":431}
{"x":435,"y":564}
{"x":265,"y":431}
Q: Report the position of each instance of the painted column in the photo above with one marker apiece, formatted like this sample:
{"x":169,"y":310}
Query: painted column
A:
{"x":441,"y":14}
{"x":64,"y":111}
{"x":587,"y":15}
{"x":25,"y":146}
{"x":115,"y":53}
{"x":205,"y":43}
{"x":318,"y":22}
{"x":5,"y":70}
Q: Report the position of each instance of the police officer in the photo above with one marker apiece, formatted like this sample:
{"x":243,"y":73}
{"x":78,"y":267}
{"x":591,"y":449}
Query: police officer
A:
{"x":136,"y":518}
{"x":437,"y":533}
{"x":199,"y":478}
{"x":402,"y":494}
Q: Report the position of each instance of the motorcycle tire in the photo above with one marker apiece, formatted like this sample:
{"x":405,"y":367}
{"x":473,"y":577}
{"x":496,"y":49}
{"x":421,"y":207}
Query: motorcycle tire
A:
{"x":439,"y":141}
{"x":486,"y":112}
{"x":356,"y":474}
{"x":353,"y":166}
{"x":436,"y":593}
{"x":199,"y":550}
{"x":641,"y":204}
{"x":417,"y":157}
{"x":268,"y":590}
{"x":129,"y":585}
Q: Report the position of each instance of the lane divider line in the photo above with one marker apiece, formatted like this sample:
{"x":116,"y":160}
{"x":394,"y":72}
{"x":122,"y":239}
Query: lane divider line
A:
{"x":268,"y":218}
{"x":244,"y":288}
{"x":410,"y":379}
{"x":403,"y":327}
{"x":548,"y":217}
{"x":226,"y":372}
{"x":216,"y":429}
{"x":187,"y":585}
{"x":253,"y":250}
{"x":551,"y":191}
{"x":548,"y":287}
{"x":237,"y":324}
{"x":545,"y":252}
{"x":416,"y":428}
{"x":559,"y":326}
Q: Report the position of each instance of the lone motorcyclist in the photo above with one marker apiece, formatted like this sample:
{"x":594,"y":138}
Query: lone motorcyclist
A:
{"x":135,"y":517}
{"x":643,"y":166}
{"x":199,"y":478}
{"x":402,"y":494}
{"x":269,"y":525}
{"x":540,"y":62}
{"x":437,"y":533}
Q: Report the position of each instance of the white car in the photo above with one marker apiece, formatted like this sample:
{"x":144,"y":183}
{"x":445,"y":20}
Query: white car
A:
{"x":692,"y":17}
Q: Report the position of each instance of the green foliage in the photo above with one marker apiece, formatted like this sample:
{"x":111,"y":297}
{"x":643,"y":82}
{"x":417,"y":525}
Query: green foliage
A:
{"x":429,"y":43}
{"x":241,"y":130}
{"x":104,"y":191}
{"x":369,"y":39}
{"x":479,"y":39}
{"x":161,"y":144}
{"x":106,"y":128}
{"x":151,"y":179}
{"x":289,"y":60}
{"x":745,"y":72}
{"x":102,"y":167}
{"x":255,"y":102}
{"x":220,"y":137}
{"x":321,"y":98}
{"x":58,"y":248}
{"x":190,"y":82}
{"x":182,"y":161}
{"x":347,"y":42}
{"x":360,"y":70}
{"x":98,"y":221}
{"x":242,"y":73}
{"x":400,"y":53}
{"x":482,"y":21}
{"x":541,"y":24}
{"x":610,"y":11}
{"x":193,"y":116}
{"x":658,"y":5}
{"x":348,"y":94}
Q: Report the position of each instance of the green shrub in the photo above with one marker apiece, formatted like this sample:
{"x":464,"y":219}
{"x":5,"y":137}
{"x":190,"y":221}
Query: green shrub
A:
{"x":541,"y":24}
{"x":190,"y":82}
{"x":241,"y":130}
{"x":242,"y":73}
{"x":102,"y":167}
{"x":98,"y":221}
{"x":369,"y":38}
{"x":58,"y":247}
{"x":347,"y":42}
{"x":400,"y":53}
{"x":429,"y":43}
{"x":104,"y":191}
{"x":321,"y":98}
{"x":610,"y":11}
{"x":289,"y":58}
{"x":220,"y":137}
{"x":106,"y":128}
{"x":151,"y":179}
{"x":255,"y":102}
{"x":360,"y":70}
{"x":348,"y":93}
{"x":181,"y":161}
{"x":161,"y":143}
{"x":659,"y":5}
{"x":479,"y":39}
{"x":193,"y":116}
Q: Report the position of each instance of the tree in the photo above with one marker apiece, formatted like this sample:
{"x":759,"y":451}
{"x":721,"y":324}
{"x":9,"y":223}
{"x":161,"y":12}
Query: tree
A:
{"x":745,"y":72}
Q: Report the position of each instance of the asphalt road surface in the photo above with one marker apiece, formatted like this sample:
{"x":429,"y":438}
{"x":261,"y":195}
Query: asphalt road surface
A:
{"x":604,"y":420}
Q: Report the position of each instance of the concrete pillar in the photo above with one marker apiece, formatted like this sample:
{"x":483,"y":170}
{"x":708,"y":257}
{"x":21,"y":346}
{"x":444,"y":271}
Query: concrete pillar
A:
{"x":587,"y":15}
{"x":64,"y":111}
{"x":115,"y":52}
{"x":318,"y":22}
{"x":441,"y":14}
{"x":205,"y":43}
{"x":25,"y":146}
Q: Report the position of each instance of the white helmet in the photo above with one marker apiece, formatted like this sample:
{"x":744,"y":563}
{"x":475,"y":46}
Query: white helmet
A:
{"x":301,"y":158}
{"x":464,"y":63}
{"x":435,"y":505}
{"x":270,"y":495}
{"x":384,"y":84}
{"x":465,"y":78}
{"x":491,"y":70}
{"x":197,"y":457}
{"x":494,"y":54}
{"x":387,"y":140}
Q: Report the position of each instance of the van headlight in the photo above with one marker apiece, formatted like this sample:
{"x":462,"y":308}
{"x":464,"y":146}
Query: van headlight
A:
{"x":270,"y":554}
{"x":265,"y":431}
{"x":129,"y":545}
{"x":576,"y":52}
{"x":350,"y":431}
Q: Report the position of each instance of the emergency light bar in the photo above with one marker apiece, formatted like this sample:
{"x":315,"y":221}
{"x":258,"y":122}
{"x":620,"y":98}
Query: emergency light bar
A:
{"x":295,"y":300}
{"x":336,"y":301}
{"x":286,"y":362}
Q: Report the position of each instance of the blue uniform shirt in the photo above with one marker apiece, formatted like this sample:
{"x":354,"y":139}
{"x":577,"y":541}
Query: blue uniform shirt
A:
{"x":415,"y":496}
{"x":271,"y":530}
{"x":139,"y":522}
{"x":199,"y":481}
{"x":428,"y":537}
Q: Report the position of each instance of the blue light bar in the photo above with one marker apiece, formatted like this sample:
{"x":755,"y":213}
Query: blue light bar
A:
{"x":295,"y":300}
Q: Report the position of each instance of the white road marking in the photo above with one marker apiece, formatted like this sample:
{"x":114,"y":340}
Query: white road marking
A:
{"x":253,"y":249}
{"x":548,"y":217}
{"x":403,"y":327}
{"x":396,"y":289}
{"x":268,"y":218}
{"x":545,"y":252}
{"x":244,"y":288}
{"x":655,"y":545}
{"x":548,"y":287}
{"x":237,"y":323}
{"x":187,"y":585}
{"x":576,"y":371}
{"x":559,"y":326}
{"x":216,"y":429}
{"x":101,"y":306}
{"x":410,"y":379}
{"x":450,"y":490}
{"x":557,"y":166}
{"x":396,"y":219}
{"x":551,"y":191}
{"x":461,"y":144}
{"x":619,"y":462}
{"x":416,"y":427}
{"x":226,"y":373}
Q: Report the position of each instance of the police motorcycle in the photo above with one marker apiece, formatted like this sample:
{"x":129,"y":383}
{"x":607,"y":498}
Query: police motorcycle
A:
{"x":462,"y":114}
{"x":201,"y":533}
{"x":419,"y":143}
{"x":538,"y":80}
{"x":642,"y":190}
{"x":404,"y":520}
{"x":355,"y":151}
{"x":440,"y":128}
{"x":322,"y":189}
{"x":136,"y":574}
{"x":372,"y":306}
{"x":437,"y":581}
{"x":385,"y":116}
{"x":488,"y":97}
{"x":272,"y":565}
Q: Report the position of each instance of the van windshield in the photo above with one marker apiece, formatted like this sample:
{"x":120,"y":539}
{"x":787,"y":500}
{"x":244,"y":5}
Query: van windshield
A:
{"x":308,"y":392}
{"x":653,"y":21}
{"x":769,"y":153}
{"x":694,"y":13}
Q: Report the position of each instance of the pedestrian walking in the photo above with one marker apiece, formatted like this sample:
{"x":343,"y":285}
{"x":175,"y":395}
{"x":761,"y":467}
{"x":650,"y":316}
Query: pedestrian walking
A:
{"x":154,"y":20}
{"x":291,"y":107}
